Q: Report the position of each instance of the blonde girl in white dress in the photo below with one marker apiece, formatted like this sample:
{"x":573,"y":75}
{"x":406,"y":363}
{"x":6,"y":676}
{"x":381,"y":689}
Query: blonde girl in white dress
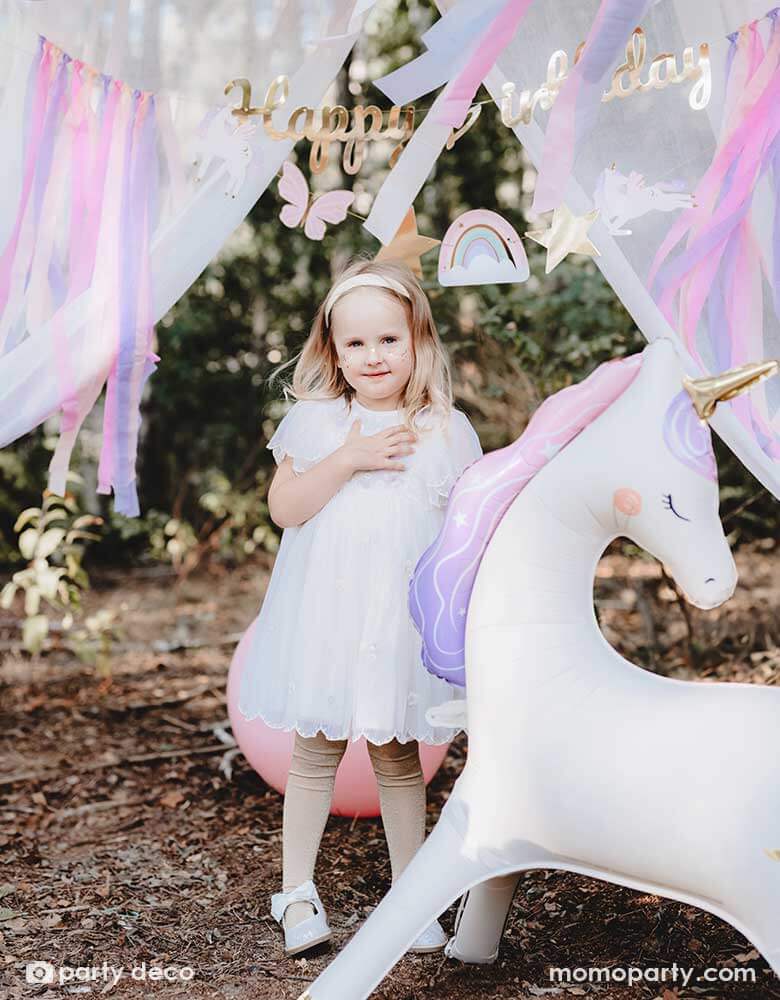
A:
{"x":366,"y":459}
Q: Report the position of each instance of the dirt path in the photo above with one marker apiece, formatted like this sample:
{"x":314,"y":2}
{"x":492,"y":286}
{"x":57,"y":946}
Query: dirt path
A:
{"x":125,"y":837}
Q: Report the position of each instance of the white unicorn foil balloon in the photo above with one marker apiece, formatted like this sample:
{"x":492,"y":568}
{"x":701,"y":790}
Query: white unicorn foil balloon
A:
{"x":648,"y":762}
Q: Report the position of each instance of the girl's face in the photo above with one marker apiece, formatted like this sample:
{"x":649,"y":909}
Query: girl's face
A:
{"x":373,"y":345}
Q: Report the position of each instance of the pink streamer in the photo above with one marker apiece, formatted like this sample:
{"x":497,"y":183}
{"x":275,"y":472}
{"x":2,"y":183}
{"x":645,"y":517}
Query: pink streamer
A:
{"x":755,"y":104}
{"x":74,"y":411}
{"x":96,"y":191}
{"x":72,"y":407}
{"x":80,"y":94}
{"x":81,"y":156}
{"x":36,"y":127}
{"x":745,"y":310}
{"x":459,"y":92}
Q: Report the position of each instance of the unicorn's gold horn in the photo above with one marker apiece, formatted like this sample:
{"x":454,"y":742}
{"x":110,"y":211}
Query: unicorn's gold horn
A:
{"x":706,"y":393}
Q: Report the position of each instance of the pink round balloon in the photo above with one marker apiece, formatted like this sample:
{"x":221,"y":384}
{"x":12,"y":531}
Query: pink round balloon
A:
{"x":269,"y":751}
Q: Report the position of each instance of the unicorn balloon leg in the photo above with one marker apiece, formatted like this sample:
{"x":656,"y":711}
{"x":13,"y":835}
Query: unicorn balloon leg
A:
{"x":578,"y":759}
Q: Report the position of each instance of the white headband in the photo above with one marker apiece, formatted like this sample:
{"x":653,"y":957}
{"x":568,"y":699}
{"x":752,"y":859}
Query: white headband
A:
{"x":342,"y":287}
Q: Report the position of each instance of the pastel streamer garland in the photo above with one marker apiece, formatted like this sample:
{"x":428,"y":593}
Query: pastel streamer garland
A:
{"x":440,"y":588}
{"x":722,"y":267}
{"x":88,"y":206}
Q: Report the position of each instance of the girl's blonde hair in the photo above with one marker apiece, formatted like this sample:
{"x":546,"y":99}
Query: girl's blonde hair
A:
{"x":317,"y":375}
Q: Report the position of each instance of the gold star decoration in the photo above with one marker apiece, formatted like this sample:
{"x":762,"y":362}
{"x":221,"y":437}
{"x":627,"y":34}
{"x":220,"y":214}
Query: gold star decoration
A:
{"x":407,"y":244}
{"x":567,"y":234}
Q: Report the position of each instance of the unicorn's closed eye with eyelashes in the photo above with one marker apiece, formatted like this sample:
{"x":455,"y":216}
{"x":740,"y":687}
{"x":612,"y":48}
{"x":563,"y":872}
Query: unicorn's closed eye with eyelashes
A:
{"x":578,"y":759}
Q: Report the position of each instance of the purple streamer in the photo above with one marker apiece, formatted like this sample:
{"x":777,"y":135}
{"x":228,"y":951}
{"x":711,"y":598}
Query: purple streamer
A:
{"x":579,"y":100}
{"x":135,"y":213}
{"x":128,"y":288}
{"x":45,"y":154}
{"x":776,"y":229}
{"x":731,"y":53}
{"x":720,"y":335}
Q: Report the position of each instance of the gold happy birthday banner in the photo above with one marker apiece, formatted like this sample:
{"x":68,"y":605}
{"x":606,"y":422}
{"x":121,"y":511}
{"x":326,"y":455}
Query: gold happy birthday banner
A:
{"x":626,"y":80}
{"x":332,"y":124}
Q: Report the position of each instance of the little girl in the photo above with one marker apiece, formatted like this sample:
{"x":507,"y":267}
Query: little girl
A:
{"x":367,"y":457}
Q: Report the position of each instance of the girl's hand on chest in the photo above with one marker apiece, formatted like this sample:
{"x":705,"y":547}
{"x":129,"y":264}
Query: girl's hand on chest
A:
{"x":365,"y":452}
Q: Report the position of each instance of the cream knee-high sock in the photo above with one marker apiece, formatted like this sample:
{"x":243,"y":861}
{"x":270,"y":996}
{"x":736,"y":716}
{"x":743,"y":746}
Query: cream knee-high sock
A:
{"x":401,"y":798}
{"x":307,"y":801}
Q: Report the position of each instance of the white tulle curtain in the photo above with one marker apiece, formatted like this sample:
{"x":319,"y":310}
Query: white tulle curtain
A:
{"x":657,"y":134}
{"x":186,"y":50}
{"x":185,"y":53}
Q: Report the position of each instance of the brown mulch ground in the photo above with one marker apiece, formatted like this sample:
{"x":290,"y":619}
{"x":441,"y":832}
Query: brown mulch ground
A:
{"x":128,"y":836}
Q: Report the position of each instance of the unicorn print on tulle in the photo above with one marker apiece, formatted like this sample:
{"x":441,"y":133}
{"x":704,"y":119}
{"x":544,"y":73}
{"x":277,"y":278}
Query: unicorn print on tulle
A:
{"x":620,"y":198}
{"x":222,"y":137}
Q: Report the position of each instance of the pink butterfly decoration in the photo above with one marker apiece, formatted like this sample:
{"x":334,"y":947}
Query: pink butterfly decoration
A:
{"x":329,"y":207}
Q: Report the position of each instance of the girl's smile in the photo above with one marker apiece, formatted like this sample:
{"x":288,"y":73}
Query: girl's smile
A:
{"x":370,"y":329}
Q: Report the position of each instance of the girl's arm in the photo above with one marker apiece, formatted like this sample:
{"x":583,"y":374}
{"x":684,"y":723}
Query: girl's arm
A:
{"x":294,"y":498}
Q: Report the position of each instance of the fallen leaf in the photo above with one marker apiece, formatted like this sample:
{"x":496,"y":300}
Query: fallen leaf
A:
{"x":172,"y":799}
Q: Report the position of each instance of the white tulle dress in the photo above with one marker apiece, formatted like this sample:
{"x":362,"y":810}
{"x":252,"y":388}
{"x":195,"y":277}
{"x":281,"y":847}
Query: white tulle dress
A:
{"x":333,"y":648}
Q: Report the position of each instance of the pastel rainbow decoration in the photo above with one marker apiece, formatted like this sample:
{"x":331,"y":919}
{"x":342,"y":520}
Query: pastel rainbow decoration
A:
{"x":440,"y":588}
{"x":481,"y":247}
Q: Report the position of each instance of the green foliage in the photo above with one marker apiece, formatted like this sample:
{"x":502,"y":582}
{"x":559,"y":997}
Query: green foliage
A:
{"x":52,"y":541}
{"x":559,"y":327}
{"x":232,"y":524}
{"x":22,"y":469}
{"x":92,"y":642}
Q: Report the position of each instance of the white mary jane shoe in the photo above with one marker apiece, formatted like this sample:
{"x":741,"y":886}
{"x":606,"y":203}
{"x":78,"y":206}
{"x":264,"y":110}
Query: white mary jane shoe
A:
{"x":308,"y":933}
{"x":432,"y":938}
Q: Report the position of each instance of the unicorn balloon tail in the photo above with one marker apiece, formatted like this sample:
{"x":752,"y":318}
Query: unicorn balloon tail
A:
{"x":565,"y":769}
